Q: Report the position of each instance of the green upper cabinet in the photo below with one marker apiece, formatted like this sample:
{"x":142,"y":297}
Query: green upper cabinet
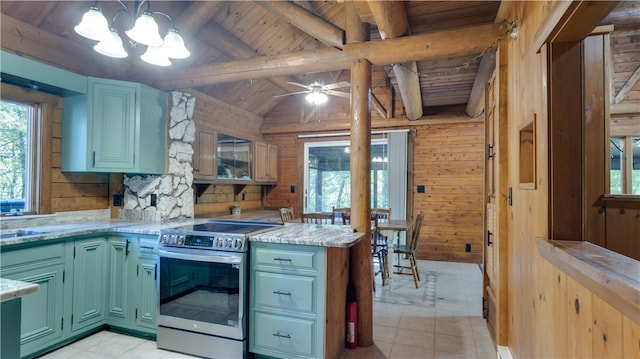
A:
{"x":117,"y":126}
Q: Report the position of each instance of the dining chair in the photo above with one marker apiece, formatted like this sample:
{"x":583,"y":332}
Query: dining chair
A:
{"x":338,"y":212}
{"x":286,"y":214}
{"x":317,"y":218}
{"x":383,"y":215}
{"x":409,"y":250}
{"x":379,"y":249}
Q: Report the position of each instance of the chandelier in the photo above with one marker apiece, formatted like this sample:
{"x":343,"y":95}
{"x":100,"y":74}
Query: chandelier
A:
{"x":144,"y":31}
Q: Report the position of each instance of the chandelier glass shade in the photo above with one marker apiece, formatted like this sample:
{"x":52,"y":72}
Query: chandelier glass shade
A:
{"x":144,"y":31}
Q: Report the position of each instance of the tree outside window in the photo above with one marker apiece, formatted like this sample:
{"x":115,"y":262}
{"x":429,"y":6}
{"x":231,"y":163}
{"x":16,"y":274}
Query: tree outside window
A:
{"x":15,"y":167}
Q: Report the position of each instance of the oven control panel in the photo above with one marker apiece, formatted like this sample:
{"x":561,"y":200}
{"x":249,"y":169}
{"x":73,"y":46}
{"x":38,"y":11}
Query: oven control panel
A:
{"x":222,"y":242}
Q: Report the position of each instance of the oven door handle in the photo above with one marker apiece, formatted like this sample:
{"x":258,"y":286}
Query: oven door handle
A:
{"x":232,"y":259}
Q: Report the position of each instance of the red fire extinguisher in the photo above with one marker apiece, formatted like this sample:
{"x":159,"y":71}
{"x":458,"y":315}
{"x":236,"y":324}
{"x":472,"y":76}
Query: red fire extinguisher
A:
{"x":352,"y":319}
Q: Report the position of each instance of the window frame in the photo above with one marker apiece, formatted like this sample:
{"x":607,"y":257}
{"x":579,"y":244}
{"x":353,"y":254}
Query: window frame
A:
{"x":44,"y":107}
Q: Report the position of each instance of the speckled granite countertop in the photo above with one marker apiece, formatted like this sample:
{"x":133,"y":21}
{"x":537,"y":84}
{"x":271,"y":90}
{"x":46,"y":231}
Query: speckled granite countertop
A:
{"x":290,"y":233}
{"x":12,"y":289}
{"x":324,"y":235}
{"x":49,"y":232}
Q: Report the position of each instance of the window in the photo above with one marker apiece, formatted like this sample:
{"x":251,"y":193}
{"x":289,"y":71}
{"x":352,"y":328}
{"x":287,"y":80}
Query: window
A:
{"x":328,"y":178}
{"x":17,"y":156}
{"x":624,"y":172}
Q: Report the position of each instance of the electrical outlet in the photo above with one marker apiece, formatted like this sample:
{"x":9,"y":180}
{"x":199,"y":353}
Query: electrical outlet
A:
{"x":154,"y":199}
{"x":117,"y":200}
{"x":243,"y":196}
{"x":292,"y":189}
{"x":420,"y":188}
{"x":467,"y":247}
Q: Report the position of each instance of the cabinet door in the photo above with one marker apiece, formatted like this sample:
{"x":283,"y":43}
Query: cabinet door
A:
{"x":205,"y":155}
{"x":266,"y":162}
{"x":119,"y":309}
{"x":272,"y":173}
{"x":89,"y":283}
{"x":112,"y":107}
{"x":147,"y":304}
{"x":42,"y":311}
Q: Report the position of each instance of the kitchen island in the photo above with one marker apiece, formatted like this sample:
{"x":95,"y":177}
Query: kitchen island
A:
{"x":11,"y":293}
{"x":299,"y":275}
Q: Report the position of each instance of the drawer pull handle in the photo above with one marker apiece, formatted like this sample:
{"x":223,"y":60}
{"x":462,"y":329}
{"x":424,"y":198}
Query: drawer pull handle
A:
{"x":146,"y":247}
{"x":287,"y":336}
{"x":283,"y":259}
{"x":281,"y":293}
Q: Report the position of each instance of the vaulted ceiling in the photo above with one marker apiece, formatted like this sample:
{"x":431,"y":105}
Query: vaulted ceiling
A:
{"x":246,"y":52}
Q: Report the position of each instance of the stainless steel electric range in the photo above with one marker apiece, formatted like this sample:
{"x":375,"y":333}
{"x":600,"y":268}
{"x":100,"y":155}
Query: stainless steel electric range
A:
{"x":203,"y":288}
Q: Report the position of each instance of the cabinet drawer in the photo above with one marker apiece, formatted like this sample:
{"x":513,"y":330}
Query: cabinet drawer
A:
{"x":283,"y":334}
{"x":148,"y":245}
{"x":286,"y":292}
{"x":285,"y":259}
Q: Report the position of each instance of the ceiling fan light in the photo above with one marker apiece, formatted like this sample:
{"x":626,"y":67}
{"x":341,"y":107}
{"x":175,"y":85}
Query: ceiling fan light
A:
{"x":145,"y":30}
{"x":316,"y":97}
{"x":156,"y":56}
{"x":112,"y":46}
{"x":173,"y":45}
{"x":93,"y":25}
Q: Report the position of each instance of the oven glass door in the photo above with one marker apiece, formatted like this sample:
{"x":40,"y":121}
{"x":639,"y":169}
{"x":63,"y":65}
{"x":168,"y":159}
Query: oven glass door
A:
{"x":203,"y":291}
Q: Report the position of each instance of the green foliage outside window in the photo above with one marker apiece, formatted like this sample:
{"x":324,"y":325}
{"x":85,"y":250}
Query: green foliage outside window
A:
{"x":13,"y":150}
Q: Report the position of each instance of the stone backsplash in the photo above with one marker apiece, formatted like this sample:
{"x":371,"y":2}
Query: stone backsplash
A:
{"x":169,"y":196}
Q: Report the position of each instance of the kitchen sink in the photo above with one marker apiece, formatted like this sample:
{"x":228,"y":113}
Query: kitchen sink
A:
{"x":20,"y":233}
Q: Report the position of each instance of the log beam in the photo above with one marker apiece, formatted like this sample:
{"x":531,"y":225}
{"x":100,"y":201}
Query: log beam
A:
{"x":448,"y":43}
{"x":628,"y":85}
{"x":392,"y":21}
{"x":475,"y":104}
{"x":306,"y":21}
{"x":360,"y":167}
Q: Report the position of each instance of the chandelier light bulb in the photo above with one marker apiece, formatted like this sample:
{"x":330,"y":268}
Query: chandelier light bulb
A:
{"x":145,"y":31}
{"x":111,"y":46}
{"x":156,"y":56}
{"x":173,"y":45}
{"x":93,"y":25}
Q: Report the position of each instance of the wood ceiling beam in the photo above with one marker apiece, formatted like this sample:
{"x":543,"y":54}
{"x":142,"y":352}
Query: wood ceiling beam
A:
{"x":306,"y":21}
{"x":392,"y":21}
{"x":195,"y":17}
{"x":449,"y":43}
{"x":217,"y":36}
{"x":475,"y":104}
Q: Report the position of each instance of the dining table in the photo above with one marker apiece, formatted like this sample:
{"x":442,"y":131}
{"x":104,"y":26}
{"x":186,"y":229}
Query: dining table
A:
{"x":392,"y":229}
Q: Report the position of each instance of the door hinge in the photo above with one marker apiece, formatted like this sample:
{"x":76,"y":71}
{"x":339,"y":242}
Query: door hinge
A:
{"x":489,"y":151}
{"x":62,"y":324}
{"x":484,"y":308}
{"x":136,"y":313}
{"x":71,"y":318}
{"x":63,"y":274}
{"x":510,"y":196}
{"x":137,"y":270}
{"x":155,"y":272}
{"x":74,"y":252}
{"x":489,"y":242}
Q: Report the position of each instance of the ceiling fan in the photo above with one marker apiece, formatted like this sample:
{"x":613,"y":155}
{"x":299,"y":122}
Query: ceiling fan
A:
{"x":317,"y":91}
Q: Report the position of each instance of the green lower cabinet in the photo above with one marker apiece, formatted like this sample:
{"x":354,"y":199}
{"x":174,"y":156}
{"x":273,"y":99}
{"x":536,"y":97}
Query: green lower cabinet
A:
{"x":287,"y":301}
{"x":132,"y":300}
{"x":42,"y":313}
{"x":121,"y":268}
{"x":89,"y":283}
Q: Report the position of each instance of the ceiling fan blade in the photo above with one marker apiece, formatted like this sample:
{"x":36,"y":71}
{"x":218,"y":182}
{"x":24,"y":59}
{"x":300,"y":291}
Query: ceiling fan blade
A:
{"x":290,"y":93}
{"x":336,"y":85}
{"x":337,"y":93}
{"x":299,"y":84}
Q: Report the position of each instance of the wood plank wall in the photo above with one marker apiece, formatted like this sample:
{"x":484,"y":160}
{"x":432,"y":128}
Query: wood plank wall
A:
{"x":448,"y":162}
{"x":550,"y":315}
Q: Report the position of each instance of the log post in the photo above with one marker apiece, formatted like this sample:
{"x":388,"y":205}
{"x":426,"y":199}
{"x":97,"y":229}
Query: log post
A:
{"x":360,"y":167}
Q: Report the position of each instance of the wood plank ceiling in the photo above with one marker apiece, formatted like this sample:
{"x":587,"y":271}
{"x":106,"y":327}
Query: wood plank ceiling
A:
{"x":243,"y":37}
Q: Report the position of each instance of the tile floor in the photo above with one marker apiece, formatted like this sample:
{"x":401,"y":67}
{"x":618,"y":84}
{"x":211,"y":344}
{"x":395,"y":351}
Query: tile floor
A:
{"x":441,"y":319}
